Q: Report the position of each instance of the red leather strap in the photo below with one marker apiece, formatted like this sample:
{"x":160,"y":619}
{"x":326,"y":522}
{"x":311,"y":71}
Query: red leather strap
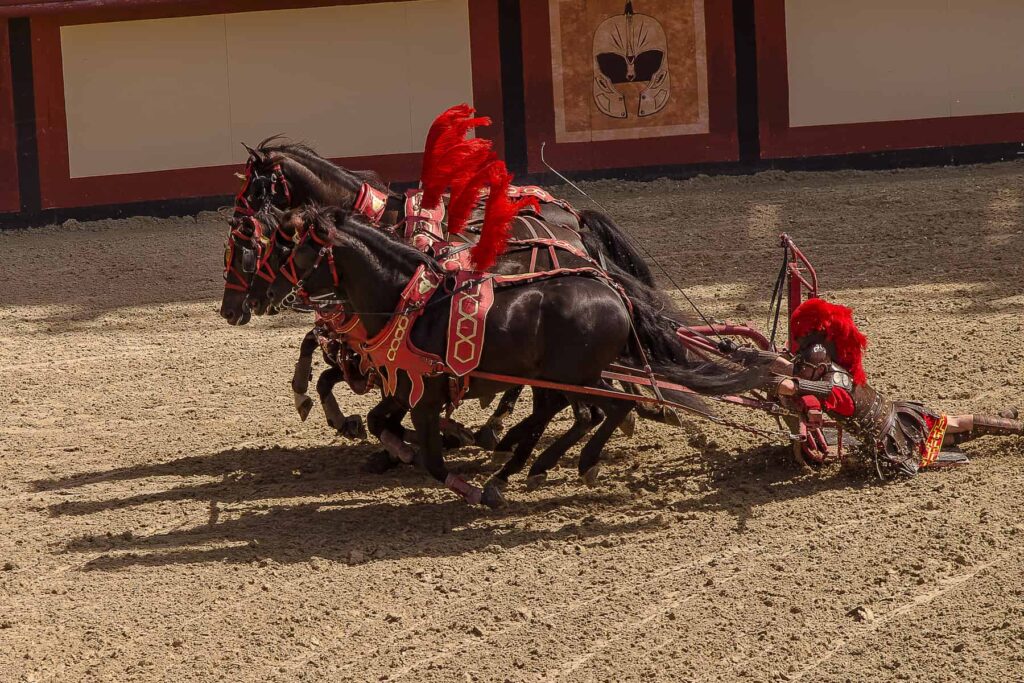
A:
{"x":371,"y":202}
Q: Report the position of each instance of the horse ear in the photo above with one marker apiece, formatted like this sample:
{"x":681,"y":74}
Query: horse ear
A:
{"x":254,"y":154}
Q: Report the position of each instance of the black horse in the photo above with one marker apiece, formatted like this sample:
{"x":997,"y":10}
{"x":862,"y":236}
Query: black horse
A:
{"x":281,"y":176}
{"x":289,"y":176}
{"x":529,"y":332}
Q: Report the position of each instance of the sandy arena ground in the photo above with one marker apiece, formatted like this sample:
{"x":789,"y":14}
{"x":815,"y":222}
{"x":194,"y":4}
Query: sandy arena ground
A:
{"x":164,"y":515}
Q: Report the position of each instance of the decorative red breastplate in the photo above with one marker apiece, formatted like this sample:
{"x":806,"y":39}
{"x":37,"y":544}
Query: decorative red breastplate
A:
{"x":392,"y":349}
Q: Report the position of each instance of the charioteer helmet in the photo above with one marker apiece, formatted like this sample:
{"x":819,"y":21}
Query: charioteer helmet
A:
{"x":825,"y":333}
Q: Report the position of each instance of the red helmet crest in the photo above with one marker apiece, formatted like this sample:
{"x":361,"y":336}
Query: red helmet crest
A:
{"x":836,"y":324}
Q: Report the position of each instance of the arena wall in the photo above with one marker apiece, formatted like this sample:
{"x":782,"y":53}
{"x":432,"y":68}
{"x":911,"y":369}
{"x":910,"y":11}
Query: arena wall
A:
{"x":840,"y":77}
{"x":156,"y":106}
{"x":9,"y":195}
{"x":148,"y":101}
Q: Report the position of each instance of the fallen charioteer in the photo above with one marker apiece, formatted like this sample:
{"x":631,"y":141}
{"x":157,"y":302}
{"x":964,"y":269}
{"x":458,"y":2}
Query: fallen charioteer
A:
{"x":824,"y":375}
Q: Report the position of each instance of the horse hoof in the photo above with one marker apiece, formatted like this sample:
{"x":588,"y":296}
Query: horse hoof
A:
{"x":353,"y":427}
{"x":459,"y":435}
{"x":492,"y":496}
{"x":379,"y":462}
{"x":628,"y":425}
{"x":590,"y":476}
{"x":303,"y":404}
{"x":497,"y":482}
{"x":671,"y":417}
{"x":501,"y":456}
{"x":486,"y":439}
{"x":534,"y":481}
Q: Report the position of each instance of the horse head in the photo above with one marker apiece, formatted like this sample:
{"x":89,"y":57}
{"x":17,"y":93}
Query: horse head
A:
{"x":292,"y":175}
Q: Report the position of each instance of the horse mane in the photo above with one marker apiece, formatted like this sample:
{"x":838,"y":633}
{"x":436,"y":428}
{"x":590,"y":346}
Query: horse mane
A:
{"x":338,"y":221}
{"x":276,"y":148}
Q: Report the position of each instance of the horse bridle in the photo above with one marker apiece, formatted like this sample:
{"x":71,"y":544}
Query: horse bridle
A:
{"x":250,"y":255}
{"x":278,"y":186}
{"x":254,"y":255}
{"x":288,"y":268}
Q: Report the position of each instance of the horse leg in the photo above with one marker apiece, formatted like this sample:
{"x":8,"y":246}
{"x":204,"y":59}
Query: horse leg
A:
{"x":303,"y":373}
{"x":546,"y":404}
{"x":487,"y":436}
{"x":616,"y":411}
{"x":455,"y":434}
{"x":426,"y":419}
{"x":585,"y":418}
{"x":351,"y":426}
{"x":384,"y":421}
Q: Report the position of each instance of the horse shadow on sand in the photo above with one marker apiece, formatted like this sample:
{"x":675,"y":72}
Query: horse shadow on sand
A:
{"x":259,"y":507}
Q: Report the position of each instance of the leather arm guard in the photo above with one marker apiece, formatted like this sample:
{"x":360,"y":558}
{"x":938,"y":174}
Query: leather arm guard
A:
{"x":821,"y":389}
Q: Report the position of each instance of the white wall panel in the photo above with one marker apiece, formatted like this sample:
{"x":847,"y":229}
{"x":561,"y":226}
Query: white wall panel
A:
{"x":351,"y":80}
{"x":146,"y":95}
{"x":889,"y":60}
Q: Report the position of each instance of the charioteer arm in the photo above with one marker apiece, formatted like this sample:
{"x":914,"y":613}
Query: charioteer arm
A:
{"x":781,"y":368}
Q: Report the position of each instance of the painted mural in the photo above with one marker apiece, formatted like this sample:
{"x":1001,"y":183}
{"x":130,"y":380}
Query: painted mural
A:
{"x":626,"y":70}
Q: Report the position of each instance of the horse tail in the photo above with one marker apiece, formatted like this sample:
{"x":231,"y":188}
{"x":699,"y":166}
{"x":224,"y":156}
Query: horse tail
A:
{"x":616,"y":245}
{"x":659,"y":344}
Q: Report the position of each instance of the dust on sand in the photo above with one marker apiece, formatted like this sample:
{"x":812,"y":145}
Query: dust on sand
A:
{"x":164,"y":515}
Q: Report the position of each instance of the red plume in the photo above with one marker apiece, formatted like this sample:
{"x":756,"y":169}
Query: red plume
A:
{"x":446,"y":132}
{"x":497,"y":216}
{"x":455,"y":168}
{"x":478,"y":154}
{"x":466,"y":194}
{"x":836,"y":323}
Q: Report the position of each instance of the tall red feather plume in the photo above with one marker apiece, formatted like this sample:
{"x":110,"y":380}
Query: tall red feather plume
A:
{"x":478,"y":154}
{"x":497,"y":216}
{"x":443,"y":122}
{"x":455,"y":168}
{"x":466,"y":193}
{"x":836,"y":323}
{"x":446,"y":132}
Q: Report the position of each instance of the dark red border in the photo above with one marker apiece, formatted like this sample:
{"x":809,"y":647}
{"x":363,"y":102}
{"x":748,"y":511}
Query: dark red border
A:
{"x":10,"y":197}
{"x":720,"y":144}
{"x":154,"y":9}
{"x":778,"y":139}
{"x":59,"y":190}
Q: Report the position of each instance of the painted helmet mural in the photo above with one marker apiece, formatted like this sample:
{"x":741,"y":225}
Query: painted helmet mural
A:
{"x":630,"y":48}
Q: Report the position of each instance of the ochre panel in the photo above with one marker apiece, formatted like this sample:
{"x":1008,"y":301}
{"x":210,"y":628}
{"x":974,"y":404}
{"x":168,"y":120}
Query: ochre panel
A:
{"x":604,"y":61}
{"x":146,"y":95}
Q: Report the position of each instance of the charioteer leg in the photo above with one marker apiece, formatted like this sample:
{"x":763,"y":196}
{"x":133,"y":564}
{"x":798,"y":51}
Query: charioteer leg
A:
{"x":964,"y":428}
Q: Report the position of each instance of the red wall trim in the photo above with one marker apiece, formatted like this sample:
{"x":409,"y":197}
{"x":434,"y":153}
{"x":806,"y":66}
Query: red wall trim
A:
{"x":59,"y":190}
{"x":10,"y":198}
{"x":148,"y":9}
{"x":778,"y":139}
{"x":720,"y":144}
